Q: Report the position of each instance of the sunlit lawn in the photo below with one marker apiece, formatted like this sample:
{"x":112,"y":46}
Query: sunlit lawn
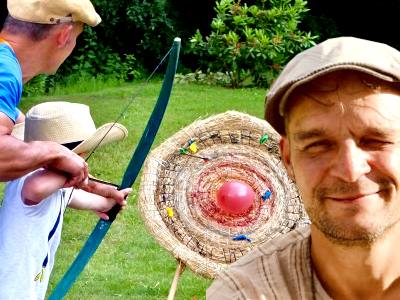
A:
{"x":130,"y":264}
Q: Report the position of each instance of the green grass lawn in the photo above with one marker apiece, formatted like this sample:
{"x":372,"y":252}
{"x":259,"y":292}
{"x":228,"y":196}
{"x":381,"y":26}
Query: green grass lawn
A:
{"x":129,"y":263}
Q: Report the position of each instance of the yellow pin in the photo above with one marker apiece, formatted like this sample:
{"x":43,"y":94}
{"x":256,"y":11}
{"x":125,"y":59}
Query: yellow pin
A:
{"x":193,"y":147}
{"x":170,"y":212}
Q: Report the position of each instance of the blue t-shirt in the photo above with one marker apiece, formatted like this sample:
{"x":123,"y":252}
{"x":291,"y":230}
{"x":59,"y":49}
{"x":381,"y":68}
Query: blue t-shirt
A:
{"x":10,"y":82}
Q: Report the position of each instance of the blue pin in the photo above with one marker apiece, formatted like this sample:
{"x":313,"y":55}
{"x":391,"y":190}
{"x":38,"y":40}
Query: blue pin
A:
{"x":266,"y":195}
{"x":241,"y":237}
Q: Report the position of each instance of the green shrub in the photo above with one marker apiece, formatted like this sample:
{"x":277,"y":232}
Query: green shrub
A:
{"x":132,"y":37}
{"x":94,"y":58}
{"x":199,"y":77}
{"x":152,"y":28}
{"x":252,"y":43}
{"x":38,"y":85}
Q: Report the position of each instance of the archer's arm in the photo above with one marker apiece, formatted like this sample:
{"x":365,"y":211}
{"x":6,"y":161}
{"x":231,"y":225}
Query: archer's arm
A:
{"x":41,"y":184}
{"x":88,"y":201}
{"x":18,"y":158}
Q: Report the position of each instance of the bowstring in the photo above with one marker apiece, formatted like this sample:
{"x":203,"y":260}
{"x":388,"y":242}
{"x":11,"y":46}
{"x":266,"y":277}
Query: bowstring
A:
{"x":133,"y":97}
{"x":123,"y":111}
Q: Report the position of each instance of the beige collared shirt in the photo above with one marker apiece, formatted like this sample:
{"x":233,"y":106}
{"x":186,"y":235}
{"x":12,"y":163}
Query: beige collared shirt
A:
{"x":277,"y":269}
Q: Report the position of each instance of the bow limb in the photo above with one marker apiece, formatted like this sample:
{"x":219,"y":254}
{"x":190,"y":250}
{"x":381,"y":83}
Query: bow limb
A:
{"x":129,"y":177}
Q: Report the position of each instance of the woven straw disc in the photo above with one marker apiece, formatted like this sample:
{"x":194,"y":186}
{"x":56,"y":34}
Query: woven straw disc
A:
{"x":177,"y":197}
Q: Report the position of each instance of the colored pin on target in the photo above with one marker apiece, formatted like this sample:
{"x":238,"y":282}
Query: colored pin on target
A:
{"x":185,"y":151}
{"x":266,"y":195}
{"x":264,"y":139}
{"x":241,"y":237}
{"x":192,"y":146}
{"x":170,"y":212}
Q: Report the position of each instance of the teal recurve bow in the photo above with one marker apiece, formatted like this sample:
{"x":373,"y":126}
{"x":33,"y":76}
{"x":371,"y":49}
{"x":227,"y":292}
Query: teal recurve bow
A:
{"x":129,"y":177}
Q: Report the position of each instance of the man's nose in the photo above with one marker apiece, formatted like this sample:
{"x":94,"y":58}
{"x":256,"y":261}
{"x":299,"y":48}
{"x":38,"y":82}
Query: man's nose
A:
{"x":351,"y":162}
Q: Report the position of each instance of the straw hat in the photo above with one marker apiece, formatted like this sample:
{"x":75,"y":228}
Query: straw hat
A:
{"x":180,"y":180}
{"x":65,"y":122}
{"x":53,"y":11}
{"x":342,"y":53}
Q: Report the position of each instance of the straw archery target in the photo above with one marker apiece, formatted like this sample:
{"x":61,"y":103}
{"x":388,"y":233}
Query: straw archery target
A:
{"x":182,"y":176}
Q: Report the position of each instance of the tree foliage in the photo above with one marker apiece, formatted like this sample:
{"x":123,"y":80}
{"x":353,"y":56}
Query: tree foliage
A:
{"x":132,"y":36}
{"x":252,"y":43}
{"x":245,"y":41}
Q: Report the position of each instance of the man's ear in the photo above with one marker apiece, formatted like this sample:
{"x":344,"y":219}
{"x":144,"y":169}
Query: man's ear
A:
{"x":64,"y":35}
{"x":285,"y":153}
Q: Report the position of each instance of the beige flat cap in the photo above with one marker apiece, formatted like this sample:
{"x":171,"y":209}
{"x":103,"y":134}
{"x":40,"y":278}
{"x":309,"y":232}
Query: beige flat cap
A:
{"x":53,"y":11}
{"x":342,"y":53}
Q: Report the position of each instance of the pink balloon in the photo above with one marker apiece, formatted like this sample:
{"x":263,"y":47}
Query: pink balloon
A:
{"x":235,"y":197}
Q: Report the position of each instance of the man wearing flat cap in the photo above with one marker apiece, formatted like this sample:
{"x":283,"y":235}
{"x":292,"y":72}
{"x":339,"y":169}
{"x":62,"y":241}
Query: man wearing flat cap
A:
{"x":38,"y":35}
{"x":337,"y":107}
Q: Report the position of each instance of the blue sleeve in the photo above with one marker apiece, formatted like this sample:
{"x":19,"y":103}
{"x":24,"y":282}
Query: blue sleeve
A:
{"x":10,"y":83}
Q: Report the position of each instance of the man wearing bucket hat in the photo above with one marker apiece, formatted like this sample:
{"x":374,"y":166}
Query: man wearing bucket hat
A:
{"x":32,"y":213}
{"x":38,"y":35}
{"x":337,"y":107}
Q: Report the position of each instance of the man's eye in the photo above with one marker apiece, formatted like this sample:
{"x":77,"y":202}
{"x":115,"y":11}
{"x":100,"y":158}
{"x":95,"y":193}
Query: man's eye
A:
{"x":374,"y":143}
{"x":318,"y":146}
